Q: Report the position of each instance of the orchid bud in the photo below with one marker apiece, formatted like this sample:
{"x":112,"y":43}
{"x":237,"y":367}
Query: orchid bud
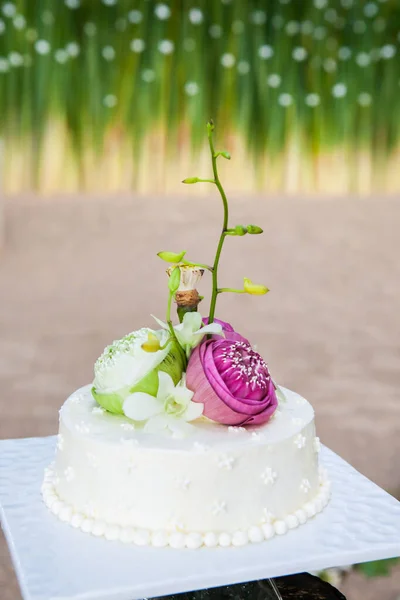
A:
{"x":152,"y":344}
{"x":253,"y":288}
{"x":172,"y":257}
{"x":223,"y":153}
{"x":254,"y":229}
{"x":191,"y":180}
{"x":240,"y":230}
{"x":210,"y":125}
{"x":174,"y":280}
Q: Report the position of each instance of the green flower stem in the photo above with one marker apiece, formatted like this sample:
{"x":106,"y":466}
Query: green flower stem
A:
{"x":172,"y":331}
{"x":233,"y":290}
{"x":210,"y":129}
{"x":206,"y":181}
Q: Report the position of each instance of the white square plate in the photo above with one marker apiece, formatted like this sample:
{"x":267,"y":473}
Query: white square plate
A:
{"x":55,"y":562}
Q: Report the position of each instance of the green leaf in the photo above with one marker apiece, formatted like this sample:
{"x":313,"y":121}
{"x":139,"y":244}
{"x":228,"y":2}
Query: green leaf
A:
{"x":377,"y":568}
{"x":172,"y":363}
{"x":174,"y":280}
{"x":191,"y":180}
{"x":111,"y":402}
{"x":254,"y":229}
{"x":171,"y":257}
{"x":148,"y":384}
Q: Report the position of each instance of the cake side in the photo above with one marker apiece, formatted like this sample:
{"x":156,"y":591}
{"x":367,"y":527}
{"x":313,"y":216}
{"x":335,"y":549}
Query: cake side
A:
{"x":218,"y":485}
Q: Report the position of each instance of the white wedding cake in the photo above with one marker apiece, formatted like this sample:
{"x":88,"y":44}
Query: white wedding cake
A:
{"x":218,"y":486}
{"x":184,"y":439}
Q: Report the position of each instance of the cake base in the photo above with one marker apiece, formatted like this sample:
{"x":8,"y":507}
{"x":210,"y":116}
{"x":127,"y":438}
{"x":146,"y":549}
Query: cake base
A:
{"x":182,"y":539}
{"x":53,"y":561}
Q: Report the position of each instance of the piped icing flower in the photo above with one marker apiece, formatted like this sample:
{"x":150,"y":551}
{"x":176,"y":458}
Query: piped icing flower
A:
{"x":171,"y":409}
{"x":232,"y":381}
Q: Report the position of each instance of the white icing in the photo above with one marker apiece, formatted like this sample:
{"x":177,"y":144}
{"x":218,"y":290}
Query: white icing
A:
{"x":194,"y":541}
{"x":317,"y":445}
{"x":255,"y":534}
{"x":240,"y":538}
{"x":219,"y":507}
{"x":269,"y":476}
{"x":300,"y":441}
{"x":268,"y":531}
{"x":69,"y":474}
{"x":234,"y":429}
{"x":305,"y":486}
{"x":210,"y":539}
{"x":182,"y":483}
{"x":244,"y":483}
{"x":226,"y":462}
{"x":280,"y":527}
{"x":128,"y":426}
{"x":159,"y":539}
{"x":268,"y":516}
{"x":177,"y":540}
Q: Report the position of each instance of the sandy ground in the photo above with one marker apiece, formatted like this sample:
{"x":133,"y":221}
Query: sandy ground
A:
{"x":76,"y":273}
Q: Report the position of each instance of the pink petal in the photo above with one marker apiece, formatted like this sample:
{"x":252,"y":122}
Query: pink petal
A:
{"x":240,"y":405}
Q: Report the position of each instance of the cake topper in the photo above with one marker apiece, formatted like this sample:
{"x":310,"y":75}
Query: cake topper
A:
{"x":200,"y":367}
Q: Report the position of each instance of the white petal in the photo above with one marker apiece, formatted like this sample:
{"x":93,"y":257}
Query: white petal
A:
{"x":192,"y":321}
{"x":161,"y":323}
{"x":140,"y":406}
{"x":193,"y":411}
{"x":156,"y":424}
{"x":179,"y":428}
{"x":211,"y":328}
{"x":166,"y":385}
{"x":182,"y":395}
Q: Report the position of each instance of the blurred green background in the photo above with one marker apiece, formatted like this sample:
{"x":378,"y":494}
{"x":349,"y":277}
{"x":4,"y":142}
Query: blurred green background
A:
{"x":93,"y":92}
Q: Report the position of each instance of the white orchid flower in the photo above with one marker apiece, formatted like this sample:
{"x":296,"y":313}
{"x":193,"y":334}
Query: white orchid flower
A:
{"x":191,"y":331}
{"x":171,"y":409}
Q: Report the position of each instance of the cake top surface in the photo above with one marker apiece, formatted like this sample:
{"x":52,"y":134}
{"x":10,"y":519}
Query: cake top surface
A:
{"x":81,"y":414}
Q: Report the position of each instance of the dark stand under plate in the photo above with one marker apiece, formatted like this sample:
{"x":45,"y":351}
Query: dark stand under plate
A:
{"x":293,"y":587}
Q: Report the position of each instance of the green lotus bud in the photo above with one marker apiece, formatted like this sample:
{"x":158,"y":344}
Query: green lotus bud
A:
{"x":254,"y":229}
{"x":174,"y":280}
{"x":125,"y":367}
{"x":191,"y":180}
{"x":171,"y":257}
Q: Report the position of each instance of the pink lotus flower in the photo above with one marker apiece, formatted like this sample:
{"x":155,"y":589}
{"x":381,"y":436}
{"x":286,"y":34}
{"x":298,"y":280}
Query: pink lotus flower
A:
{"x":231,"y":380}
